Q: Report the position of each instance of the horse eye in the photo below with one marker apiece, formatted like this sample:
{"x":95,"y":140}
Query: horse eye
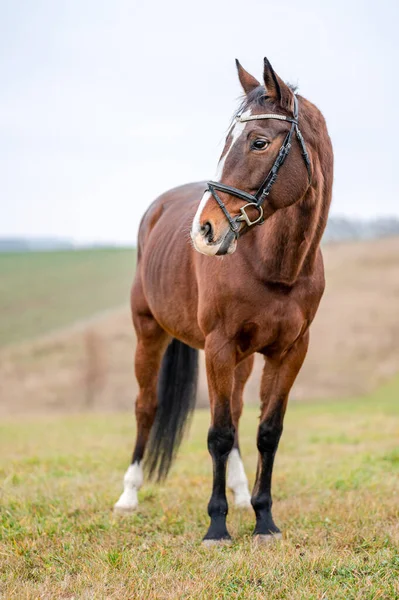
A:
{"x":259,"y":144}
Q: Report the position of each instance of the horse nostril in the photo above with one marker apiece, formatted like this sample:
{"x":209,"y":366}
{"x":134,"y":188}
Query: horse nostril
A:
{"x":207,"y":231}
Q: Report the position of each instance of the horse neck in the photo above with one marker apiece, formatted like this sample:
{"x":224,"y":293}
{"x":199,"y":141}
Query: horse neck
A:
{"x":288,"y":242}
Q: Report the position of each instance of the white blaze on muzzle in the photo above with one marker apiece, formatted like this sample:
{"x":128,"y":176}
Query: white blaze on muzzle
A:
{"x":198,"y":239}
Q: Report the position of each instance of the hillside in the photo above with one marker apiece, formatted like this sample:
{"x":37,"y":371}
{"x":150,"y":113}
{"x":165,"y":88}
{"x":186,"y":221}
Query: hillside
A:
{"x":354,"y":339}
{"x":44,"y":291}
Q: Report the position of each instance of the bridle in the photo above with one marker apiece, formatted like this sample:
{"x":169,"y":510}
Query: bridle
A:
{"x":257,"y":200}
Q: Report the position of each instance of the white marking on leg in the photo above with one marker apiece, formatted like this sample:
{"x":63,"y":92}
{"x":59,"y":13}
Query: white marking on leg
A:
{"x":196,"y":236}
{"x":132,"y":482}
{"x":237,"y":480}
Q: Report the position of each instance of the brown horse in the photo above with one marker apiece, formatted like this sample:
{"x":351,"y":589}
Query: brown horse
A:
{"x":275,"y":171}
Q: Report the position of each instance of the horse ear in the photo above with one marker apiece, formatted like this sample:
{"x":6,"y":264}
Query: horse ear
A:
{"x":248,"y":82}
{"x":276,"y":88}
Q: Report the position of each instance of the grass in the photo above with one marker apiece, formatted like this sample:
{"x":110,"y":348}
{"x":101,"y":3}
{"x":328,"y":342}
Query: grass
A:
{"x":336,"y":493}
{"x":43,"y":291}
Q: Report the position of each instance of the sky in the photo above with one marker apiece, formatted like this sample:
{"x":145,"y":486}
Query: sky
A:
{"x":104,"y":105}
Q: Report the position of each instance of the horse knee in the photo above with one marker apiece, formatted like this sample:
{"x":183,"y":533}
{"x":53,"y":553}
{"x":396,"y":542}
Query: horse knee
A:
{"x":221,"y":440}
{"x":269,"y":434}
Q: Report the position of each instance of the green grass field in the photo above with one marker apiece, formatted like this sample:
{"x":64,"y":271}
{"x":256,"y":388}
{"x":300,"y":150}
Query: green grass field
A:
{"x":43,"y":291}
{"x":336,"y":498}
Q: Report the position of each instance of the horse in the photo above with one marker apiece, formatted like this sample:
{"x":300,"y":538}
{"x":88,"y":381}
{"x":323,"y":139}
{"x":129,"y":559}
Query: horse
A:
{"x":248,"y":281}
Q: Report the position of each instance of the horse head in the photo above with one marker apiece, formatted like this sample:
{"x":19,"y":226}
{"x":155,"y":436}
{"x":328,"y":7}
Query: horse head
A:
{"x":246,"y":190}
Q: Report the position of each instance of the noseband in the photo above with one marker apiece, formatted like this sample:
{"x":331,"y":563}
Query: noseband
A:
{"x":258,"y":199}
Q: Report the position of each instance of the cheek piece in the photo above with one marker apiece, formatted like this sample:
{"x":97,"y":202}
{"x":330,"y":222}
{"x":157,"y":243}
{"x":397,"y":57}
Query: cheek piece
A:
{"x":257,"y":200}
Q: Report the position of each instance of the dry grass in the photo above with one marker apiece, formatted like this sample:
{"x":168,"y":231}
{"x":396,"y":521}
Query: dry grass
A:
{"x":353,"y":339}
{"x":336,"y":491}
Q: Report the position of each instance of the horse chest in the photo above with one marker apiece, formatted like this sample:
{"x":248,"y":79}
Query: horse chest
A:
{"x":257,"y":321}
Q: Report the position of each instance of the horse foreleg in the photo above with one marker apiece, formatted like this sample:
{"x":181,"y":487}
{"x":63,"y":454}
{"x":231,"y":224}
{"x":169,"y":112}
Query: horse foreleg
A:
{"x":220,"y":365}
{"x":151,"y":345}
{"x":236,"y":478}
{"x":277,"y":380}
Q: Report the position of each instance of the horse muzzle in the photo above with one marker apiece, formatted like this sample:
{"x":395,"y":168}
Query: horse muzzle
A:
{"x":205,"y":244}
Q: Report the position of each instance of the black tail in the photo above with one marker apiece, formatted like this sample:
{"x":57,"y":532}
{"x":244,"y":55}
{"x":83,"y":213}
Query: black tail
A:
{"x":177,"y":388}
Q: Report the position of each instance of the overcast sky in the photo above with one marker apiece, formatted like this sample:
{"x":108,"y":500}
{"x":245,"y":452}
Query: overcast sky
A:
{"x":106,"y":104}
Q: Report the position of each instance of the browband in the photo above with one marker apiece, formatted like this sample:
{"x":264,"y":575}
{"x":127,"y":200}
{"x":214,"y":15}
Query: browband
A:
{"x":242,"y":119}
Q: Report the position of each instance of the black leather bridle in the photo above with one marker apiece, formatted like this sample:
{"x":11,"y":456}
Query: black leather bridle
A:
{"x":257,"y":200}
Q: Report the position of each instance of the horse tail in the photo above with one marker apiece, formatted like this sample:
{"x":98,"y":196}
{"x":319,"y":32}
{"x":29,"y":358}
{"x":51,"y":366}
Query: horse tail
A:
{"x":177,"y":388}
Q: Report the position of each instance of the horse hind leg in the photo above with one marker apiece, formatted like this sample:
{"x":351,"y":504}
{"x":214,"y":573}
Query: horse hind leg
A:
{"x":237,"y":480}
{"x":152,"y":341}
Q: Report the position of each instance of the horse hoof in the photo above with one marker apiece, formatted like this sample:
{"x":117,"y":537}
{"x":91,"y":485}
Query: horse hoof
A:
{"x":216,"y":543}
{"x":264,"y":539}
{"x":124,"y":510}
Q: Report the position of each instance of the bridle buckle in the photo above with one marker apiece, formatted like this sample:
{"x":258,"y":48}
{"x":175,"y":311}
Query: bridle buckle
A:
{"x":244,"y":216}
